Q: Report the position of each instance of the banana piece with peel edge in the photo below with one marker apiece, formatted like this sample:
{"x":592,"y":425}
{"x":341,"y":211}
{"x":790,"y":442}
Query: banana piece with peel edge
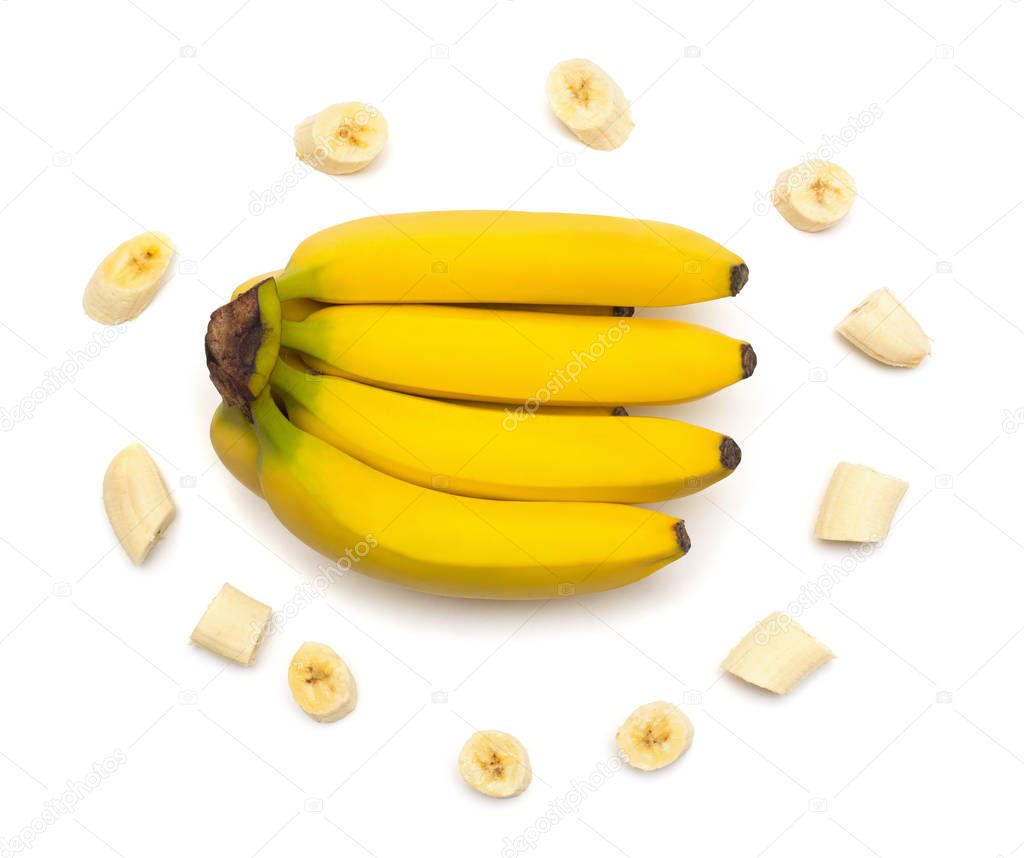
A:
{"x":590,"y":104}
{"x":321,"y":682}
{"x":814,"y":195}
{"x":137,"y":502}
{"x":520,"y":357}
{"x":498,"y":257}
{"x":341,"y":139}
{"x":495,"y":764}
{"x":232,"y":626}
{"x":777,"y":654}
{"x":491,"y":453}
{"x":882,"y":328}
{"x":859,"y":504}
{"x":128,"y":278}
{"x":654,"y":735}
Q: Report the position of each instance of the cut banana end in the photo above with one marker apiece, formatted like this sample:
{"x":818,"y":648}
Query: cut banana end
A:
{"x":814,"y":195}
{"x":655,"y":735}
{"x":137,"y":501}
{"x":777,"y":654}
{"x":321,"y":682}
{"x":232,"y":626}
{"x":882,"y":328}
{"x":495,"y":764}
{"x":342,"y":138}
{"x":859,"y":504}
{"x":590,"y":104}
{"x":128,"y":278}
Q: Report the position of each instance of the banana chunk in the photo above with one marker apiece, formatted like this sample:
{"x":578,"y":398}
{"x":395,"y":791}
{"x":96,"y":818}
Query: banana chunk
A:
{"x":882,"y":328}
{"x":777,"y":654}
{"x":859,"y":504}
{"x":342,"y":138}
{"x":126,"y":281}
{"x":138,"y":504}
{"x":495,"y":764}
{"x":655,"y":735}
{"x":321,"y":682}
{"x":814,"y":195}
{"x":232,"y":626}
{"x":590,"y":103}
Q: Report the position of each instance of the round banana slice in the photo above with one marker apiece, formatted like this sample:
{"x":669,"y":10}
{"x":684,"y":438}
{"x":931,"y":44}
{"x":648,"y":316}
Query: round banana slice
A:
{"x":590,"y":104}
{"x":342,"y":138}
{"x":814,"y":195}
{"x":128,"y":278}
{"x":495,"y":764}
{"x":321,"y":682}
{"x":655,"y":735}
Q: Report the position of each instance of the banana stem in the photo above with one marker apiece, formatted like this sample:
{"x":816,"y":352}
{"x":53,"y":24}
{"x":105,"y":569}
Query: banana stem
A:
{"x":242,"y":344}
{"x":292,"y":285}
{"x":292,"y":382}
{"x":270,"y":423}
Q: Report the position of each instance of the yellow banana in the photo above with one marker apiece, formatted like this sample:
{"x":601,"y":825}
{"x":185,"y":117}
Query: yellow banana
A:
{"x":235,"y":442}
{"x":499,"y":454}
{"x":510,"y":257}
{"x":572,"y":309}
{"x":298,"y":308}
{"x":576,"y":410}
{"x":519,"y":357}
{"x":450,"y":545}
{"x":236,"y":445}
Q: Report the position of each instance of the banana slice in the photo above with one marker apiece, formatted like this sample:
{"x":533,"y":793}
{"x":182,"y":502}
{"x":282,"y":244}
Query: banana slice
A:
{"x":814,"y":195}
{"x":776,"y":654}
{"x":655,"y":735}
{"x":882,"y":328}
{"x":232,"y":626}
{"x":128,"y":278}
{"x":137,"y":501}
{"x":321,"y":682}
{"x":342,"y":138}
{"x":495,"y":764}
{"x":590,"y":104}
{"x":859,"y":504}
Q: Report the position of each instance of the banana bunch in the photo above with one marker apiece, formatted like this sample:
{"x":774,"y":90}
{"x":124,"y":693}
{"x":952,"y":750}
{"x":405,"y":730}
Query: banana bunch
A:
{"x":441,"y":397}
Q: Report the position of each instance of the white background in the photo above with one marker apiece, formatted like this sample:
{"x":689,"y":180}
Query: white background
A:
{"x":118,"y":115}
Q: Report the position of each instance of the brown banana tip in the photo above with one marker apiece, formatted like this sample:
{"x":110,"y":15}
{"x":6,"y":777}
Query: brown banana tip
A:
{"x":623,"y":311}
{"x":233,"y":338}
{"x":682,"y":537}
{"x":748,"y":359}
{"x":620,"y":411}
{"x":738,"y":278}
{"x":729,"y":453}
